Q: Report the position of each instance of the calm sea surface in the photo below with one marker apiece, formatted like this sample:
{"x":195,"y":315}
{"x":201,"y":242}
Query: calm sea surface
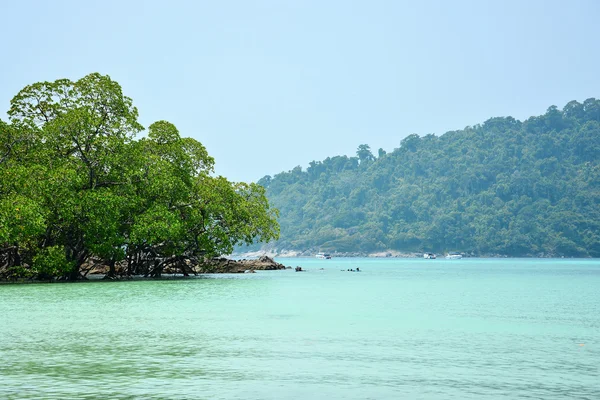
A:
{"x":400,"y":329}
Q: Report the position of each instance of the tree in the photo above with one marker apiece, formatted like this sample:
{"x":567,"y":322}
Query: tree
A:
{"x":75,"y":181}
{"x":364,"y":153}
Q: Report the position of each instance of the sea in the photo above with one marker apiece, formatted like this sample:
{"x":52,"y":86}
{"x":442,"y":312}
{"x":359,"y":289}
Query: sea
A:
{"x":398,"y":329}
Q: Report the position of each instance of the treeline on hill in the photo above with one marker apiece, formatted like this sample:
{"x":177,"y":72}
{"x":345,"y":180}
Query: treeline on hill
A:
{"x":505,"y":187}
{"x":76,"y":184}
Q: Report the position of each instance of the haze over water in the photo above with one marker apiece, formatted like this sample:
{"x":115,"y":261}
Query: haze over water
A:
{"x":401,"y":328}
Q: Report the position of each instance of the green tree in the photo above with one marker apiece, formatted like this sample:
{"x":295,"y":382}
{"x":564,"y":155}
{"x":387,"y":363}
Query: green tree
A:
{"x":75,"y":184}
{"x":364,"y":153}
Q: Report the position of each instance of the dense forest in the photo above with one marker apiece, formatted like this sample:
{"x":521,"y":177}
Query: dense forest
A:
{"x":504,"y":187}
{"x":76,"y":184}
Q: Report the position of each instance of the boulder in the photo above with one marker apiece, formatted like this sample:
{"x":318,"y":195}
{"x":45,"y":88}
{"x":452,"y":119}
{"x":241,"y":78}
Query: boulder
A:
{"x":224,"y":265}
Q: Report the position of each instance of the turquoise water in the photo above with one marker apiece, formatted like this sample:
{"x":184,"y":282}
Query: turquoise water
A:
{"x":401,"y":328}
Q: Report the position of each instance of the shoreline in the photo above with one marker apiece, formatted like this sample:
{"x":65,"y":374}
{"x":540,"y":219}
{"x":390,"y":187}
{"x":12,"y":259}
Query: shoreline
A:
{"x":380,"y":254}
{"x":241,"y":263}
{"x":95,"y":270}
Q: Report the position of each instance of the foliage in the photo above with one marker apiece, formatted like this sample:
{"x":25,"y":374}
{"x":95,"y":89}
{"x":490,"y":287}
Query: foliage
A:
{"x":503,"y":187}
{"x":75,"y":183}
{"x":50,"y":262}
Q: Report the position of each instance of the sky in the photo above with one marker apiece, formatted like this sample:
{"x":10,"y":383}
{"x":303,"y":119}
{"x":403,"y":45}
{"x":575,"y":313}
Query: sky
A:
{"x":267,"y":85}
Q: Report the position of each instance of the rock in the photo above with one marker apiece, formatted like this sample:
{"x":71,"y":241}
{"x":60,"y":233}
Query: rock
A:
{"x":224,"y":265}
{"x":217,"y":265}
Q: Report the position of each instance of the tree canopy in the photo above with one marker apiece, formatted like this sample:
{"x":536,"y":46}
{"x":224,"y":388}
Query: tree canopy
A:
{"x":76,"y":183}
{"x":504,"y":187}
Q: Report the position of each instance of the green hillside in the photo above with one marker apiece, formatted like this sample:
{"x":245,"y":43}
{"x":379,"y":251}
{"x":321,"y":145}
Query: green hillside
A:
{"x":504,"y":187}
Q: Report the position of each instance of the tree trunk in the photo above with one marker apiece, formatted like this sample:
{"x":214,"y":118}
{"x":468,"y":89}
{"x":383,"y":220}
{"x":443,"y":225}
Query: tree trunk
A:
{"x":111,"y":269}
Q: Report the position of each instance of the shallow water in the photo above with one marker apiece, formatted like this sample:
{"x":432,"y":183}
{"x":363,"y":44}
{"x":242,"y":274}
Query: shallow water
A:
{"x":401,"y":328}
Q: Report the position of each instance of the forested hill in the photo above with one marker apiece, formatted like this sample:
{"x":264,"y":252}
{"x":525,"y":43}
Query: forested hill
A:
{"x":504,"y":187}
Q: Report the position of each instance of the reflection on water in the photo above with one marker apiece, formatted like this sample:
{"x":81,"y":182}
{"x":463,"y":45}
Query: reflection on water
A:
{"x":429,"y":329}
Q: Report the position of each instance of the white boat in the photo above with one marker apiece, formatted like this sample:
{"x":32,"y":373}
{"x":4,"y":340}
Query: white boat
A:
{"x":453,"y":256}
{"x":429,"y":256}
{"x":324,"y":256}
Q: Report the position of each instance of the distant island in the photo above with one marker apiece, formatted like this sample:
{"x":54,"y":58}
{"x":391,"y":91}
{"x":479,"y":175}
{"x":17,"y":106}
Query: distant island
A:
{"x":501,"y":188}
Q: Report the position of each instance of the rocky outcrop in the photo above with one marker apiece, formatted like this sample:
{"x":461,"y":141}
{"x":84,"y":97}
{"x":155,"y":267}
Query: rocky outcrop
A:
{"x":226,"y":266}
{"x":190,"y":267}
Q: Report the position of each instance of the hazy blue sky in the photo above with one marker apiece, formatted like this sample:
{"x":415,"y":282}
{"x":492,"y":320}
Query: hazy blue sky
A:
{"x":268,"y":85}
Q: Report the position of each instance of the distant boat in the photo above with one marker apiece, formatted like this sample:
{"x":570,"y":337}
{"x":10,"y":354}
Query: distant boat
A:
{"x":453,"y":256}
{"x":429,"y":256}
{"x":324,"y":256}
